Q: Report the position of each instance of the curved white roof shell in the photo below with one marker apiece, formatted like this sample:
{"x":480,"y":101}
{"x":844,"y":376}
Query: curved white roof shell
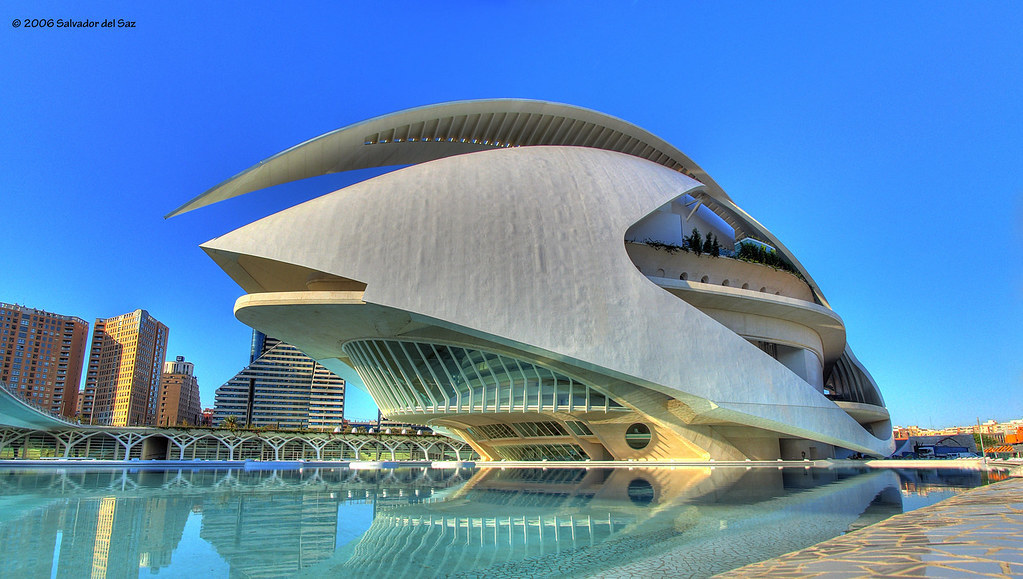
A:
{"x":455,"y":128}
{"x":480,"y":245}
{"x":507,"y":233}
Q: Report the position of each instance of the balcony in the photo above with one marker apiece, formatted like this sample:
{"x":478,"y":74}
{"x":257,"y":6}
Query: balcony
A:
{"x":662,"y":261}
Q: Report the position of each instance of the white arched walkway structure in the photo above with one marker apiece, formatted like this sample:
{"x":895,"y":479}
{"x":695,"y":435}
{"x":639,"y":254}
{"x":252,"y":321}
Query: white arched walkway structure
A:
{"x":219,"y":444}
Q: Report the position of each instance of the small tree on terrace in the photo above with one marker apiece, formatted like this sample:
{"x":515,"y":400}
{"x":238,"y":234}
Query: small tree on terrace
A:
{"x":715,"y":249}
{"x":707,"y":243}
{"x":696,"y":241}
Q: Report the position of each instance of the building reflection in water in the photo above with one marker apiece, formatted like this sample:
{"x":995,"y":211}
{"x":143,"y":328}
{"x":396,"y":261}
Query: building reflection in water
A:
{"x":95,"y":529}
{"x":113,"y":523}
{"x":583,"y":521}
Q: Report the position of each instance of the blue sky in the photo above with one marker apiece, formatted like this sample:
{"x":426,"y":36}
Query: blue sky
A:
{"x":882,"y":144}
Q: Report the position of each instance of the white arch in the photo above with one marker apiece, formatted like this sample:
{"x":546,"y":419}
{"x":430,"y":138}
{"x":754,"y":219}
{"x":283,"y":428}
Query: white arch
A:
{"x":442,"y":130}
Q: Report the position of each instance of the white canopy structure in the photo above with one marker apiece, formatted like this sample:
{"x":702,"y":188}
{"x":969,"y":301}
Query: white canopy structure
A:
{"x":518,"y":286}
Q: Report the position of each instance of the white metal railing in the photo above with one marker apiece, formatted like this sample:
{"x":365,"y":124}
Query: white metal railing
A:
{"x":32,"y":405}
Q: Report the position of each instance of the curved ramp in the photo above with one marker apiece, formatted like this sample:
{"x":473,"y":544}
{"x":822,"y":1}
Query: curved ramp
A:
{"x":15,"y":411}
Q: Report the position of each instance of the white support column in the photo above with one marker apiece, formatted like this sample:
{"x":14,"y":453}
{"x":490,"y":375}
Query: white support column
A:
{"x":275,"y":442}
{"x":426,"y":454}
{"x":357,"y":447}
{"x":127,"y":441}
{"x":318,"y":447}
{"x":385,"y":450}
{"x":351,"y":447}
{"x":191,"y":439}
{"x":230,"y":447}
{"x":70,"y":438}
{"x":9,"y":436}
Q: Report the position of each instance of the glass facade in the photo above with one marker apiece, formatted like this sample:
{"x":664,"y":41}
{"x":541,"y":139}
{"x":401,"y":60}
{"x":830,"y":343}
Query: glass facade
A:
{"x":520,"y":429}
{"x":408,"y":377}
{"x":579,"y":428}
{"x":282,"y":388}
{"x":534,"y":429}
{"x":542,"y":452}
{"x":485,"y":431}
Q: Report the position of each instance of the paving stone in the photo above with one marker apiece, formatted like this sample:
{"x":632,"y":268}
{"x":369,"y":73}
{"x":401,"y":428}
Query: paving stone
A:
{"x":975,"y":534}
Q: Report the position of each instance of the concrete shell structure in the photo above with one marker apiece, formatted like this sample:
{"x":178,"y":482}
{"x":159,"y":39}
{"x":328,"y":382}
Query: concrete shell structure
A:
{"x":519,"y":286}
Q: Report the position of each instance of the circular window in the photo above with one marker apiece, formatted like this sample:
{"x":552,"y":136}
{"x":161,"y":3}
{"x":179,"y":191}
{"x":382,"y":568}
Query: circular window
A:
{"x":641,"y":491}
{"x":637,"y":436}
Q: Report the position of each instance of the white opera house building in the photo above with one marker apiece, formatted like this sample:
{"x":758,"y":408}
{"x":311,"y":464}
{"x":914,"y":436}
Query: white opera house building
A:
{"x":528,"y":281}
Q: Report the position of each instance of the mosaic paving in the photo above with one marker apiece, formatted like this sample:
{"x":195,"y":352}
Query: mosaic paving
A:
{"x":976,"y":534}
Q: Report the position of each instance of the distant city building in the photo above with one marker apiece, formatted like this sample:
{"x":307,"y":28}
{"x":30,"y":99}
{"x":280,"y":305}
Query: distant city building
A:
{"x":900,"y":432}
{"x":179,"y":395}
{"x":1000,"y":439}
{"x":281,"y":388}
{"x":1015,"y":437}
{"x":41,"y":355}
{"x":991,"y":429}
{"x":207,"y":417}
{"x":125,"y":363}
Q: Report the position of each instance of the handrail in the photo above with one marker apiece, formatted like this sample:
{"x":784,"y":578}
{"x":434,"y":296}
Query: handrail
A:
{"x":32,"y":405}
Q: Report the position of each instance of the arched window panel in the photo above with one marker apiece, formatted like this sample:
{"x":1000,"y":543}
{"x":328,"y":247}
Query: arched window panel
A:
{"x":848,"y":382}
{"x":415,"y":377}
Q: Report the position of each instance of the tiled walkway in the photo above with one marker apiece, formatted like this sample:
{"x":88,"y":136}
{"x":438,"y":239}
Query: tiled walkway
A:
{"x":975,"y":534}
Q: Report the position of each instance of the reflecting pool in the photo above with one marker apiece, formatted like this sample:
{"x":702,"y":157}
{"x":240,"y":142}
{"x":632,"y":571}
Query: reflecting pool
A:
{"x":426,"y":522}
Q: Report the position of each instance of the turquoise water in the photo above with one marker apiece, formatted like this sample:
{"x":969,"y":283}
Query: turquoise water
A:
{"x":422,"y":522}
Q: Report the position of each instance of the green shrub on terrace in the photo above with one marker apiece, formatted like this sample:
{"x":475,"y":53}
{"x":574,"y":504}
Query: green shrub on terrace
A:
{"x":670,"y":248}
{"x":758,"y":254}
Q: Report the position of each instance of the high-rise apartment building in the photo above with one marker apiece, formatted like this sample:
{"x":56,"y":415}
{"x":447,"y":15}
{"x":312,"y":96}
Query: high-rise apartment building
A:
{"x":125,"y":362}
{"x":178,"y":403}
{"x":41,"y":355}
{"x":281,"y":388}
